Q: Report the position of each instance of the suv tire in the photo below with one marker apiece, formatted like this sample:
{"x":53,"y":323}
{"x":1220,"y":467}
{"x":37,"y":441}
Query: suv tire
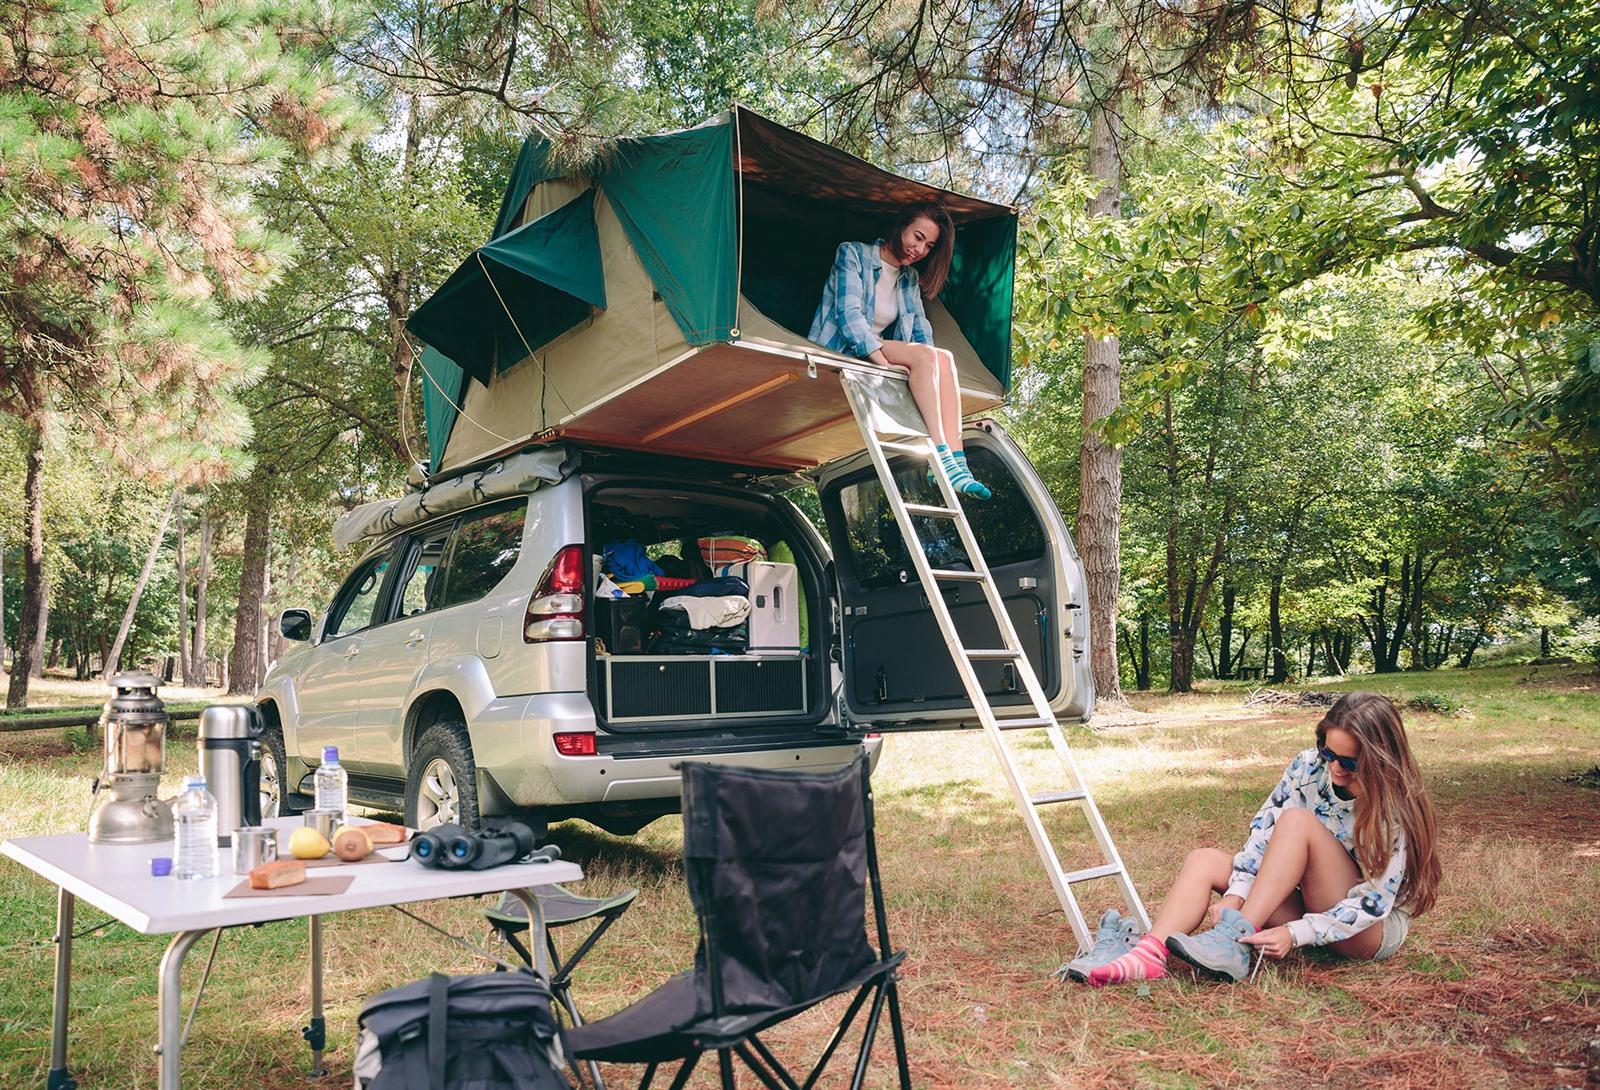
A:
{"x":277,"y":797}
{"x":442,"y":784}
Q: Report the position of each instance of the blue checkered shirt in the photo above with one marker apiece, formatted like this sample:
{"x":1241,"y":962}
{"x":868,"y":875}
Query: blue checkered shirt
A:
{"x":844,"y":317}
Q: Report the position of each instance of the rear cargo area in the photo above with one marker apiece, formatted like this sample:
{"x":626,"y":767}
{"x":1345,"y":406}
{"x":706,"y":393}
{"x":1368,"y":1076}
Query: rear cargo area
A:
{"x":704,"y":602}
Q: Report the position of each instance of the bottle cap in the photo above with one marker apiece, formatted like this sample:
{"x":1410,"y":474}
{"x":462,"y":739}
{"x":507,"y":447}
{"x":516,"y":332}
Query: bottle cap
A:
{"x":330,"y":753}
{"x":160,"y":866}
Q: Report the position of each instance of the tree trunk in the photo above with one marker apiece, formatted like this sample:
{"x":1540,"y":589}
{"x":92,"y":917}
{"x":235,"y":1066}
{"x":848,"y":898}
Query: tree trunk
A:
{"x":30,"y":626}
{"x":1311,"y":655}
{"x":1278,"y":669}
{"x":264,"y":646}
{"x":1142,"y":670}
{"x":1211,"y":656}
{"x":1225,"y":663}
{"x":197,"y":653}
{"x":1477,"y":638}
{"x":2,"y":606}
{"x":1544,"y":642}
{"x":242,"y":677}
{"x":44,"y":628}
{"x":54,"y":657}
{"x":185,"y":669}
{"x":114,"y":657}
{"x":1100,"y":475}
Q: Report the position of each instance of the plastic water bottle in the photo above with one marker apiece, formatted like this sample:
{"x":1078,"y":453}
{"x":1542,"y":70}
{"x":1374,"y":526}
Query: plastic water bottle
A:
{"x":332,"y":783}
{"x":194,"y":822}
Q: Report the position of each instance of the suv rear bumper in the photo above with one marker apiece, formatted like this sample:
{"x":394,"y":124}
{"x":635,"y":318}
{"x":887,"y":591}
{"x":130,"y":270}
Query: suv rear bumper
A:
{"x":514,"y":748}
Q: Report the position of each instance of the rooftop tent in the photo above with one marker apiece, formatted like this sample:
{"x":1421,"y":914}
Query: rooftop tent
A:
{"x":709,"y":247}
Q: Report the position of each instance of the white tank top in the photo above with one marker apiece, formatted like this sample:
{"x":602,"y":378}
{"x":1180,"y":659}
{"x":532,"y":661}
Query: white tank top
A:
{"x":886,"y":305}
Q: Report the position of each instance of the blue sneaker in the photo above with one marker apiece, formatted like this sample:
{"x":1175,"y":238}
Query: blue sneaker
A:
{"x":1115,"y":937}
{"x":1218,"y":953}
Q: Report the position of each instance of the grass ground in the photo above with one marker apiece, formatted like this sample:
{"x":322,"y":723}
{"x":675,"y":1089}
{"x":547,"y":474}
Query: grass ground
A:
{"x":1498,"y":987}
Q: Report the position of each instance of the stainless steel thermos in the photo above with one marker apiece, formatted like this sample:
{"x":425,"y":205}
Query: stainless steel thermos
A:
{"x":230,"y":760}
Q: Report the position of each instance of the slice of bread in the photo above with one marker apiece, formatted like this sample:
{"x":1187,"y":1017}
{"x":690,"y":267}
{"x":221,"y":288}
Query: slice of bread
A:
{"x":276,"y":875}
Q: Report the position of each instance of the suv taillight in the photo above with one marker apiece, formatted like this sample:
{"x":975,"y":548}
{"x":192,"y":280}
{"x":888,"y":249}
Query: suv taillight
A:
{"x":555,"y":612}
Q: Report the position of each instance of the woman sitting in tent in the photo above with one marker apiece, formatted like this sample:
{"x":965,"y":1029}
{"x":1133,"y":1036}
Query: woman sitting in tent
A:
{"x":871,"y":308}
{"x":1341,"y":854}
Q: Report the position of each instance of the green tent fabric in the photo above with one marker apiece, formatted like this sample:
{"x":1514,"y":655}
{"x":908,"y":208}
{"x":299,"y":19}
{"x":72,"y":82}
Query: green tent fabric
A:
{"x":440,"y":373}
{"x":531,"y":169}
{"x":518,"y":292}
{"x":979,"y":291}
{"x":675,"y":197}
{"x":441,"y":400}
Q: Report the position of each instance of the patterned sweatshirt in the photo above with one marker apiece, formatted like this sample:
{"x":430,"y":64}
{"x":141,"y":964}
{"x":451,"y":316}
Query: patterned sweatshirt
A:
{"x":1306,"y":784}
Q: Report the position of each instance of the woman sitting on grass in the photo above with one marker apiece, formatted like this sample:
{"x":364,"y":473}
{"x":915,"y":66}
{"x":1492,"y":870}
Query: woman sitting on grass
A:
{"x":1341,"y":855}
{"x":872,"y":308}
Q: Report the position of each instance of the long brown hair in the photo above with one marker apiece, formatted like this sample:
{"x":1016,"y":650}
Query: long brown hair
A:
{"x":936,"y":266}
{"x":1391,"y":799}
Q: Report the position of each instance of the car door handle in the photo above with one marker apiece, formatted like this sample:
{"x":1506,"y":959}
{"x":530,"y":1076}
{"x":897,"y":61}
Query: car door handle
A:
{"x":352,"y":651}
{"x":414,"y":637}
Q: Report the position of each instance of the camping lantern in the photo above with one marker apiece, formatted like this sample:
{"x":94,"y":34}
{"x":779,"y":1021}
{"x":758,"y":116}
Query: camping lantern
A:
{"x":134,"y":727}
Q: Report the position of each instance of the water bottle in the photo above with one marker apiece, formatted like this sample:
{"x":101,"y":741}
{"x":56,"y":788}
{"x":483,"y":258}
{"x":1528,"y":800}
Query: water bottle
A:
{"x":194,"y":821}
{"x":332,"y":783}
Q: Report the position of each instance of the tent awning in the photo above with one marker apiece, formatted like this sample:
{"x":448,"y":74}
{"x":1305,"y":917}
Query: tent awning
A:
{"x":518,"y":292}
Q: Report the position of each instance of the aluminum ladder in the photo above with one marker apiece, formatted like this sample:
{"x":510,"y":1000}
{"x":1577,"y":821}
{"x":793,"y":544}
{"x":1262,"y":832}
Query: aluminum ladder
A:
{"x":874,"y":429}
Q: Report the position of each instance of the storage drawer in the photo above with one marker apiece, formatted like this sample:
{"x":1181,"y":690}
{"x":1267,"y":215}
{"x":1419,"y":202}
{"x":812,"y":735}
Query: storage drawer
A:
{"x":666,"y":687}
{"x":768,"y":686}
{"x":655,"y":688}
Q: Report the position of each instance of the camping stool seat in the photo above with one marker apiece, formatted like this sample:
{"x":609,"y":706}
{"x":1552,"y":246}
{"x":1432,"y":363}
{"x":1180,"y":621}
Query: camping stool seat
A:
{"x":560,"y":907}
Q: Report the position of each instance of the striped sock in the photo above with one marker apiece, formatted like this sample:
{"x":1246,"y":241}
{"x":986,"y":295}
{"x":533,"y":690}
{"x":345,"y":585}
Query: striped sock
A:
{"x":1146,"y":961}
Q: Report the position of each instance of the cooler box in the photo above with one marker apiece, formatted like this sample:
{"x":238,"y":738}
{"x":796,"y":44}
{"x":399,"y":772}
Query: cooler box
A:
{"x":774,"y":603}
{"x":619,"y":623}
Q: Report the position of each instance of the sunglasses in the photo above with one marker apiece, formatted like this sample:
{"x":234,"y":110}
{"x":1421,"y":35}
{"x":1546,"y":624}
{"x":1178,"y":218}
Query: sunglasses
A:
{"x":1328,"y":755}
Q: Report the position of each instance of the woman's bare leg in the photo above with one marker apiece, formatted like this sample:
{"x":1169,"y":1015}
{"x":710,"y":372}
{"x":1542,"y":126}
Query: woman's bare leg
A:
{"x":949,"y":397}
{"x":1205,"y":871}
{"x":1304,"y":856}
{"x":920,"y":361}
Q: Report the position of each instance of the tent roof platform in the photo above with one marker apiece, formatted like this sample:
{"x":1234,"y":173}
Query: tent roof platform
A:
{"x":775,"y":407}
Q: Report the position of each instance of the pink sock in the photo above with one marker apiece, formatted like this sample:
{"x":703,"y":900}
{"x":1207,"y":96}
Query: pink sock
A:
{"x":1146,"y":961}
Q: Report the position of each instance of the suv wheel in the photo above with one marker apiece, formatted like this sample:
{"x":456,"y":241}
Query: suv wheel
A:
{"x":442,"y":785}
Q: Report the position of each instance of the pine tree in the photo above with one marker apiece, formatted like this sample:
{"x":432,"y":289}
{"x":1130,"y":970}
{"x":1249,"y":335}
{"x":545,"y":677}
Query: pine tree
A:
{"x":132,"y":133}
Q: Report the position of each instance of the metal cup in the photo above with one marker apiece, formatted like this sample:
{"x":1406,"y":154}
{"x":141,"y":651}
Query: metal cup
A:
{"x":253,"y":845}
{"x":325,"y":822}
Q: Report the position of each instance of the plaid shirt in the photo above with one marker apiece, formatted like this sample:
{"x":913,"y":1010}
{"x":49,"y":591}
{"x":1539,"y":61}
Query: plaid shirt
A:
{"x":843,"y":323}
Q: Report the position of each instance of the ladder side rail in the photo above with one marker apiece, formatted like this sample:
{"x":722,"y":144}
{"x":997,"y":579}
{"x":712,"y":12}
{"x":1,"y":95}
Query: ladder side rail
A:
{"x":964,"y":668}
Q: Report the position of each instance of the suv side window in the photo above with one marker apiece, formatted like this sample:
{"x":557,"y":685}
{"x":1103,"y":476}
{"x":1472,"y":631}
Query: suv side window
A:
{"x":353,"y":609}
{"x":423,"y":588}
{"x":487,"y":544}
{"x":1006,"y":527}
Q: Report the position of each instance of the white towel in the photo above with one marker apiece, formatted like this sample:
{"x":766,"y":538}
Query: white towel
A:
{"x":721,"y":612}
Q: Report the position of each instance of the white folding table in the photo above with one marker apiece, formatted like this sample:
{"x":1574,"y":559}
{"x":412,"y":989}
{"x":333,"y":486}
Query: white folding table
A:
{"x":116,"y":879}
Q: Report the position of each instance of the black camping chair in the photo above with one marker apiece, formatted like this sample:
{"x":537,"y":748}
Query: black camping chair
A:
{"x":777,"y":866}
{"x":560,"y":908}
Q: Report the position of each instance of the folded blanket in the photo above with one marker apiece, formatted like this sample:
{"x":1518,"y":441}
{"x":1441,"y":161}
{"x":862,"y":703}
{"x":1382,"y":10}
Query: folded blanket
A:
{"x":721,"y":612}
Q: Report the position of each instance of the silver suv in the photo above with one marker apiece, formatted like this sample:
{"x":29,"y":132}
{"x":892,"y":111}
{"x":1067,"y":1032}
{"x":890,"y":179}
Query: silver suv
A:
{"x":466,"y":669}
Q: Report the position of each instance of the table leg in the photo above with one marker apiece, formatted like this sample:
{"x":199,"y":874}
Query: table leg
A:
{"x":169,"y":999}
{"x":60,"y":1078}
{"x":316,"y":1034}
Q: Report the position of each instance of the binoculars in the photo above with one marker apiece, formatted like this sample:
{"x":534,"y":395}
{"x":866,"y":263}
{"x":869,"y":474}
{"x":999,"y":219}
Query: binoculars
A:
{"x":450,"y":847}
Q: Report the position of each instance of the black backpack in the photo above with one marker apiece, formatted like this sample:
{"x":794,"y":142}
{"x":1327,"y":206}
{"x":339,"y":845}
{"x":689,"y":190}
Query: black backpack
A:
{"x":491,"y":1031}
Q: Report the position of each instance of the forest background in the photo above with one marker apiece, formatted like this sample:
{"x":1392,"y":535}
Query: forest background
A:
{"x":1307,"y":294}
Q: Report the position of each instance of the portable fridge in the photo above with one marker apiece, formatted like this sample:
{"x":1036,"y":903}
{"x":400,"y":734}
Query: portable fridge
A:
{"x":774,"y":603}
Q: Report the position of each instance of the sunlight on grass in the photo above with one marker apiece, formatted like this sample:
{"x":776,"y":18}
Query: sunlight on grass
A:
{"x":1514,"y":939}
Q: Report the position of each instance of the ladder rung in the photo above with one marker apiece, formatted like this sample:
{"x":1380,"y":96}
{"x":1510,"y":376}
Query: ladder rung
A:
{"x":1031,"y":723}
{"x":931,"y":511}
{"x":953,"y":576}
{"x":916,"y":450}
{"x":1091,"y":873}
{"x":993,"y":653}
{"x":1058,"y":796}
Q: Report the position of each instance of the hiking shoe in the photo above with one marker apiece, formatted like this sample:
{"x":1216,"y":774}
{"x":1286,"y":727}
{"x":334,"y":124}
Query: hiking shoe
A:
{"x":1218,"y":953}
{"x":1115,"y":937}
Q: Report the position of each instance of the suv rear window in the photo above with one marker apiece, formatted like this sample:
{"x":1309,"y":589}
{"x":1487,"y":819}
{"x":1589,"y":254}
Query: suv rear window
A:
{"x":487,"y":545}
{"x":1007,"y":530}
